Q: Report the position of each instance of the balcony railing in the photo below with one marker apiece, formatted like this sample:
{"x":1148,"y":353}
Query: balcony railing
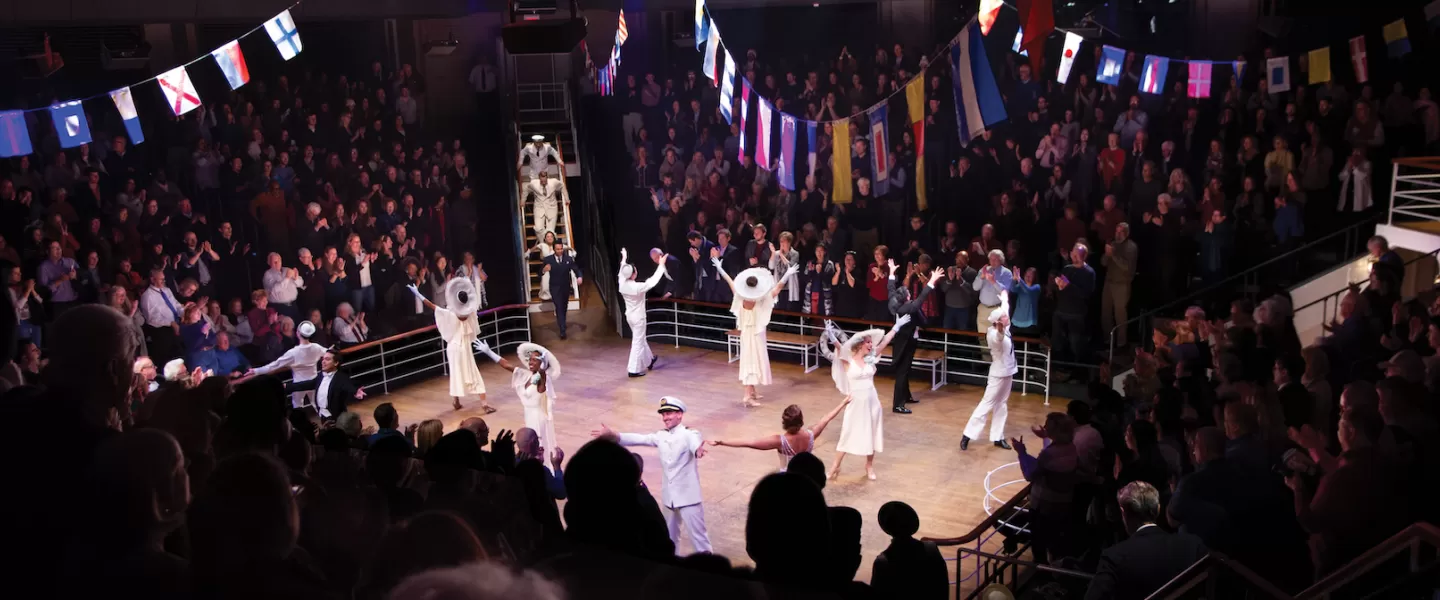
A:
{"x":400,"y":359}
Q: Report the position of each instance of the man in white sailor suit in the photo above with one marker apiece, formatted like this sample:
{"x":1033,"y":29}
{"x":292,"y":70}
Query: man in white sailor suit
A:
{"x":680,"y":448}
{"x":548,"y":194}
{"x":539,"y":152}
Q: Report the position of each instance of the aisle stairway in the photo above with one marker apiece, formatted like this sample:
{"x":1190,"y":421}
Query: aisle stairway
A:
{"x":559,"y":135}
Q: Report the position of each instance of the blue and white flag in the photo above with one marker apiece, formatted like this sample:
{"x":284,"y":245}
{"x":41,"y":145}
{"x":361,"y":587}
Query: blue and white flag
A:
{"x":1152,"y":78}
{"x":1112,"y":64}
{"x":727,"y":88}
{"x":14,"y":134}
{"x":978,"y":104}
{"x":702,"y":23}
{"x":125,"y":103}
{"x":712,"y":47}
{"x":1278,"y":71}
{"x":811,"y":155}
{"x":232,"y":64}
{"x":70,"y":123}
{"x":282,"y":31}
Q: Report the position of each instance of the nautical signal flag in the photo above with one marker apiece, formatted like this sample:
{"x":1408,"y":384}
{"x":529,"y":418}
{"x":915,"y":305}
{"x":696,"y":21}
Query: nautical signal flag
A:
{"x":14,"y":134}
{"x":915,"y":105}
{"x":621,"y":32}
{"x":1319,"y":65}
{"x":744,"y":111}
{"x":840,"y":162}
{"x":1112,"y":64}
{"x":125,"y":103}
{"x":727,"y":87}
{"x":989,"y":10}
{"x":1152,"y":78}
{"x":763,"y":155}
{"x":1277,"y":71}
{"x":232,"y":64}
{"x":787,"y":151}
{"x":70,"y":123}
{"x":1067,"y":56}
{"x":1239,"y":68}
{"x":179,"y":90}
{"x":880,"y":149}
{"x":1397,"y":39}
{"x":712,"y":46}
{"x":1358,"y":60}
{"x":810,"y":154}
{"x":282,"y":31}
{"x":702,"y":23}
{"x":978,"y":103}
{"x":1202,"y":73}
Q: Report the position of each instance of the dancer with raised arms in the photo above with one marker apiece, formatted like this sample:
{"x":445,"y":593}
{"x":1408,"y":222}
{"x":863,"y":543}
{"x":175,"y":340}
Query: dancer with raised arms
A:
{"x":641,"y":358}
{"x":457,"y":326}
{"x":852,"y":367}
{"x":997,"y":386}
{"x":755,"y":292}
{"x":533,"y":380}
{"x":794,"y":439}
{"x":680,"y":448}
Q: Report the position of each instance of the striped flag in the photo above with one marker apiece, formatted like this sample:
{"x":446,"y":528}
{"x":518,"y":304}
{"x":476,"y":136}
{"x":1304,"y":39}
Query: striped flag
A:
{"x":1067,"y":56}
{"x":880,"y":149}
{"x":702,"y":23}
{"x":1152,"y":79}
{"x":125,"y":103}
{"x":977,"y":99}
{"x":1278,"y":72}
{"x":71,"y":125}
{"x":989,"y":11}
{"x":179,"y":90}
{"x":1357,"y":59}
{"x":712,"y":46}
{"x":1397,"y":39}
{"x":840,"y":161}
{"x":727,"y":88}
{"x":621,"y":33}
{"x":787,"y":152}
{"x":762,"y":136}
{"x":282,"y":31}
{"x":14,"y":134}
{"x":232,"y":64}
{"x":744,"y":111}
{"x":1320,"y":65}
{"x":915,"y":103}
{"x":1202,"y":73}
{"x":810,"y":155}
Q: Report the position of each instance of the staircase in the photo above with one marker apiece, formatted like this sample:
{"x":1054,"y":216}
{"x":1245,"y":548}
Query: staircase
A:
{"x":561,"y":136}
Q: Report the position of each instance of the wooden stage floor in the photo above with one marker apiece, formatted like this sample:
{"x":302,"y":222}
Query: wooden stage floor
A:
{"x":921,"y":465}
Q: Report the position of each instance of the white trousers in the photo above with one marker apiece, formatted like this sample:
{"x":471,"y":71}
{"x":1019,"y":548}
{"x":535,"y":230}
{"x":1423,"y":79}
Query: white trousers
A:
{"x":545,"y":214}
{"x":693,"y":517}
{"x":992,"y":404}
{"x":640,"y":354}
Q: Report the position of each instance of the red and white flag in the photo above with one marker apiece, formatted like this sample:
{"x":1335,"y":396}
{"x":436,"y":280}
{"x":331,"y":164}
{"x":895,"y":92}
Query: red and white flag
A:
{"x":179,"y":90}
{"x":621,"y":33}
{"x":1067,"y":56}
{"x":1202,"y":72}
{"x":762,"y":137}
{"x":989,"y":10}
{"x":1357,"y":58}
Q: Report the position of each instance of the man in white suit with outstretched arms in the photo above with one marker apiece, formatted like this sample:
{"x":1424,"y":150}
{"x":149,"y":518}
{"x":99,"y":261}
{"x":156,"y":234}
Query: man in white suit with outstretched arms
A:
{"x":680,"y":448}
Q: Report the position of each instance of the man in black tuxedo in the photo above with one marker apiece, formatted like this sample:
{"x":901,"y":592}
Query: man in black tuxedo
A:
{"x":333,"y":389}
{"x":732,"y":260}
{"x":905,"y":338}
{"x":707,"y":279}
{"x":670,"y":287}
{"x":1136,"y":567}
{"x":561,"y":266}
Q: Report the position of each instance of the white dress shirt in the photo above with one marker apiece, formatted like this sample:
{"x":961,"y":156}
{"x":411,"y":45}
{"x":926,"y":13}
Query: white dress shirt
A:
{"x":539,"y":157}
{"x":302,"y":360}
{"x":322,"y":394}
{"x":677,"y":448}
{"x":153,"y":305}
{"x":280,"y":289}
{"x":1002,"y":351}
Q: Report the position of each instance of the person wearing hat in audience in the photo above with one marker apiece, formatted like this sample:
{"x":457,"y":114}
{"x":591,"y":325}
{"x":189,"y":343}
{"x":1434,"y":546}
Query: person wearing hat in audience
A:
{"x":333,"y":389}
{"x":534,"y":382}
{"x":908,"y":568}
{"x":679,"y":447}
{"x":539,"y":152}
{"x":755,"y":291}
{"x":458,"y":328}
{"x":633,"y":292}
{"x":997,"y":386}
{"x":548,"y":195}
{"x":301,"y":360}
{"x":853,"y":368}
{"x":1405,"y":364}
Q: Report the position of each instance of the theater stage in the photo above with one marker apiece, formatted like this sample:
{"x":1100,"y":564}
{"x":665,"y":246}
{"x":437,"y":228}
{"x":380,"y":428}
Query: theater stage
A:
{"x":921,"y":465}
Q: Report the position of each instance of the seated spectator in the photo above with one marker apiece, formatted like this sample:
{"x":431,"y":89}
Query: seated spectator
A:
{"x":429,"y":540}
{"x":1150,"y":558}
{"x":907,"y":568}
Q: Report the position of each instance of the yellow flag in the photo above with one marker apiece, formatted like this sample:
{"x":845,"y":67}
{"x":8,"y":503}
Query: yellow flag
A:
{"x":840,"y":162}
{"x":915,"y":100}
{"x":1320,"y":65}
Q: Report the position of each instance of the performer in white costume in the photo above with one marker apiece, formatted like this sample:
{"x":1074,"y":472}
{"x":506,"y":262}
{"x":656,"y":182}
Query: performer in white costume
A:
{"x":548,"y":194}
{"x":680,"y":447}
{"x":458,"y":328}
{"x":641,"y":358}
{"x":302,"y":361}
{"x":539,"y":152}
{"x":852,"y":366}
{"x":755,"y":291}
{"x":533,"y":380}
{"x":997,"y":386}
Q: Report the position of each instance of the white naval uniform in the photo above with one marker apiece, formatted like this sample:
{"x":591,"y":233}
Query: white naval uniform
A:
{"x":634,"y":294}
{"x":540,"y":158}
{"x":303,"y":361}
{"x":547,"y":204}
{"x":997,"y":387}
{"x":680,"y":496}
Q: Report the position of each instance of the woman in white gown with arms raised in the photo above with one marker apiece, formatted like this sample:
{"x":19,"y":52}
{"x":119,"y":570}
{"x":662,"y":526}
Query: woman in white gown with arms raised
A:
{"x":755,"y":290}
{"x":853,"y":369}
{"x":533,"y":380}
{"x":457,"y":326}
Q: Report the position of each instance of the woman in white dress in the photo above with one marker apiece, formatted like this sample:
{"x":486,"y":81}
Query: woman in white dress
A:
{"x":533,"y":380}
{"x":755,"y":291}
{"x":546,"y":248}
{"x":457,"y":326}
{"x":853,"y":368}
{"x":794,"y":439}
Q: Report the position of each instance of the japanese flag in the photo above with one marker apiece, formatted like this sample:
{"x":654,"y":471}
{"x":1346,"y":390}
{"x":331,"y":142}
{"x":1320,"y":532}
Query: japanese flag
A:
{"x":179,"y":91}
{"x":1067,"y":56}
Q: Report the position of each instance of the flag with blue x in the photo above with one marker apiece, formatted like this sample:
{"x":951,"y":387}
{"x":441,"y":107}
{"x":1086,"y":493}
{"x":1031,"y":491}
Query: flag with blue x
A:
{"x":282,"y":31}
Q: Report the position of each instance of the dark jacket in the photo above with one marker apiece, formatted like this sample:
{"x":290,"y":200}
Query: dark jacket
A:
{"x":341,"y":393}
{"x":1136,"y":567}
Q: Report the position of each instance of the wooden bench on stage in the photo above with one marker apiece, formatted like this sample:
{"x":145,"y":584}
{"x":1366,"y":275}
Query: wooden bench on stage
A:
{"x":808,"y":347}
{"x":930,"y":358}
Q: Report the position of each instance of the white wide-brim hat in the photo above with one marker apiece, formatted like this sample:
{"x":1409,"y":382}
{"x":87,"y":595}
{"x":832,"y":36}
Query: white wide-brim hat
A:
{"x":848,"y":348}
{"x":461,"y":298}
{"x":764,"y":281}
{"x":548,"y":362}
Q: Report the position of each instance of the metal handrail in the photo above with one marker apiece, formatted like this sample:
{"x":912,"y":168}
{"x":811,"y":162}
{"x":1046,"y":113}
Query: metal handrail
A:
{"x":1028,"y":564}
{"x":668,"y":321}
{"x":990,"y":522}
{"x":1253,"y":270}
{"x":1327,"y":311}
{"x":381,"y":363}
{"x":987,"y":569}
{"x":1409,"y":539}
{"x":1206,"y":571}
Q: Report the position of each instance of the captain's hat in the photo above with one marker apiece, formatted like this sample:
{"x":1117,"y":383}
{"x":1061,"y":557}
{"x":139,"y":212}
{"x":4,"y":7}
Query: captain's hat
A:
{"x":671,"y":404}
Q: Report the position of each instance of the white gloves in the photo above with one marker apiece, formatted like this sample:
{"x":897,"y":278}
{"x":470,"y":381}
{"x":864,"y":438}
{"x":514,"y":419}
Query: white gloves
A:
{"x":900,"y":322}
{"x":481,"y":346}
{"x":790,"y":272}
{"x":414,"y":290}
{"x":715,"y":260}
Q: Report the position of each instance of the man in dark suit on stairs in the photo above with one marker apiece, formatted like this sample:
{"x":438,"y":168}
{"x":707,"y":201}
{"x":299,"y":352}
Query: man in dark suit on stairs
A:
{"x":1137,"y":567}
{"x":561,"y":265}
{"x":906,"y":337}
